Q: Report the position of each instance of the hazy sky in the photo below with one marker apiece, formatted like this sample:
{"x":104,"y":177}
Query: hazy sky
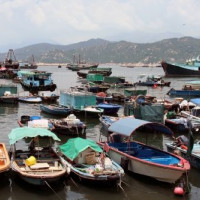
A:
{"x":25,"y":22}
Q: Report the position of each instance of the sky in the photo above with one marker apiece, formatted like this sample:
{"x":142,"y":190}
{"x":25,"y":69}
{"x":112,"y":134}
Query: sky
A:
{"x":27,"y":22}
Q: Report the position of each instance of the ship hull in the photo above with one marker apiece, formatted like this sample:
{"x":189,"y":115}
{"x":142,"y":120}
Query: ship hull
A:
{"x":172,"y":70}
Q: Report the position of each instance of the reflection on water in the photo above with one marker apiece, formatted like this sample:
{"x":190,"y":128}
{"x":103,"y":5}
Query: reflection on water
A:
{"x":136,"y":187}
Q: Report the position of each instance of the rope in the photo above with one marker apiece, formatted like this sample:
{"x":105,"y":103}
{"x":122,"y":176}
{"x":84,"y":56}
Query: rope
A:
{"x":53,"y":190}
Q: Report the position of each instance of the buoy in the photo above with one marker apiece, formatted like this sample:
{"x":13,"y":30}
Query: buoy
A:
{"x":179,"y":191}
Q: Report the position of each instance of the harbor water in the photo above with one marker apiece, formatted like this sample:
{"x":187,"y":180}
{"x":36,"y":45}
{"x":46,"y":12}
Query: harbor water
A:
{"x":134,"y":186}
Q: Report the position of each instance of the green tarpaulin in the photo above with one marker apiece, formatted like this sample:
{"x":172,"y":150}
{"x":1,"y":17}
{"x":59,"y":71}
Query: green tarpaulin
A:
{"x":20,"y":133}
{"x":74,"y":146}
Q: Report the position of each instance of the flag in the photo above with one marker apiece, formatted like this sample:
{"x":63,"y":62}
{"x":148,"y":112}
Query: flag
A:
{"x":106,"y":147}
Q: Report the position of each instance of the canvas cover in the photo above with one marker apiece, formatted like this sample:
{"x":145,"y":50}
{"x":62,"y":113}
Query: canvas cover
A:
{"x":74,"y":146}
{"x":24,"y":132}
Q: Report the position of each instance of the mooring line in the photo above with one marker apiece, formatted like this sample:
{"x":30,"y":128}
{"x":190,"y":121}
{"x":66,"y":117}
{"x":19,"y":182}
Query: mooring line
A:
{"x":53,"y":190}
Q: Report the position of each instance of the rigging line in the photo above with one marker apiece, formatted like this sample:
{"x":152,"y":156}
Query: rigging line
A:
{"x":53,"y":190}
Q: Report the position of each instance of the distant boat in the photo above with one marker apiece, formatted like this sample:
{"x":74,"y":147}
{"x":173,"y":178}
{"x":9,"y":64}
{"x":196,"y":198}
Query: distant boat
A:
{"x":184,"y":93}
{"x":28,"y":65}
{"x":77,"y":65}
{"x":109,"y":108}
{"x":30,"y":99}
{"x":189,"y":69}
{"x":56,"y":110}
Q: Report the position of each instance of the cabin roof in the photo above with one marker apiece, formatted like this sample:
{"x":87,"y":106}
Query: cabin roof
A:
{"x":128,"y":126}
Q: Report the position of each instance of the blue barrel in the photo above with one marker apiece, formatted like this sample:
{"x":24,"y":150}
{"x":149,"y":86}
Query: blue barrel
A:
{"x":34,"y":118}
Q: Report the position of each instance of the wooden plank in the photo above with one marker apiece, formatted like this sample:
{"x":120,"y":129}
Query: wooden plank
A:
{"x":39,"y":166}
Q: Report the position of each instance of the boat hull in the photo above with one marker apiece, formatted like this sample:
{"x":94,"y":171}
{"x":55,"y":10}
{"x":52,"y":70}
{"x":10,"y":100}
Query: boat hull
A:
{"x":164,"y":173}
{"x":183,"y":93}
{"x":172,"y":70}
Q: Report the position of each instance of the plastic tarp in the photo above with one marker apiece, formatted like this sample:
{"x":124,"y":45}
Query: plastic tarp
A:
{"x":74,"y":146}
{"x":24,"y":132}
{"x":127,"y":126}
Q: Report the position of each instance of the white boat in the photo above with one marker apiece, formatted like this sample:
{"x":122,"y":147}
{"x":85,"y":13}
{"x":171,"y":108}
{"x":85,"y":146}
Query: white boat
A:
{"x":31,"y":99}
{"x":141,"y":158}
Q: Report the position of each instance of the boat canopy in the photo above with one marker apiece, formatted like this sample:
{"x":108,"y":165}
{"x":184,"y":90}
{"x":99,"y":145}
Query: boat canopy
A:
{"x":24,"y":132}
{"x":128,"y":126}
{"x":35,"y":73}
{"x":74,"y":146}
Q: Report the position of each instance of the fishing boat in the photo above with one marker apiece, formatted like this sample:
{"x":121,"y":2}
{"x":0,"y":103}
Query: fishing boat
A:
{"x":36,"y":164}
{"x":89,"y":163}
{"x":181,"y":147}
{"x":70,"y":125}
{"x":188,"y":69}
{"x":31,"y":99}
{"x":35,"y":81}
{"x":4,"y":159}
{"x":104,"y":71}
{"x":143,"y":159}
{"x":184,"y":93}
{"x":28,"y":65}
{"x":48,"y":97}
{"x":103,"y":97}
{"x":152,"y":81}
{"x":109,"y":108}
{"x":54,"y":109}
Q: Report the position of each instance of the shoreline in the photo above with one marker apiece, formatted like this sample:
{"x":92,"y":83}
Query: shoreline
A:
{"x":129,"y":65}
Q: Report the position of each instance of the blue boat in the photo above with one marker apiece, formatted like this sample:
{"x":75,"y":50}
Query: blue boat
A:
{"x":109,"y":108}
{"x":35,"y":81}
{"x":196,"y":101}
{"x":55,"y":109}
{"x":183,"y":93}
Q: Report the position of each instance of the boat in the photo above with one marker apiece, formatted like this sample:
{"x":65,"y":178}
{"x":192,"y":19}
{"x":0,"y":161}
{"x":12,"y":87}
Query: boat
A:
{"x":88,"y":162}
{"x":104,"y":71}
{"x":153,"y":81}
{"x":54,"y":109}
{"x":28,"y":65}
{"x":181,"y":146}
{"x":37,"y":165}
{"x":181,"y":70}
{"x":31,"y":99}
{"x":81,"y":102}
{"x":35,"y":81}
{"x":82,"y":74}
{"x":109,"y":108}
{"x":48,"y":97}
{"x":192,"y":85}
{"x":184,"y":93}
{"x":77,"y":64}
{"x":70,"y":125}
{"x":4,"y":159}
{"x":10,"y":66}
{"x":103,"y":97}
{"x":140,"y":158}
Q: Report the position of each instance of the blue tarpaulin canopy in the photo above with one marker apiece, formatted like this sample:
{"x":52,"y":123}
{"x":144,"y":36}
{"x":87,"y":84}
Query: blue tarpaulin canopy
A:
{"x":127,"y":126}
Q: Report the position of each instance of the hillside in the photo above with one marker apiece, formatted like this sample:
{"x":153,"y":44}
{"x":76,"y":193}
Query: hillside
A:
{"x":102,"y":51}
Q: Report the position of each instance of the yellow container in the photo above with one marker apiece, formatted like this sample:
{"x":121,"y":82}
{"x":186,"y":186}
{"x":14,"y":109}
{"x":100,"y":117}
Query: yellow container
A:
{"x":30,"y":161}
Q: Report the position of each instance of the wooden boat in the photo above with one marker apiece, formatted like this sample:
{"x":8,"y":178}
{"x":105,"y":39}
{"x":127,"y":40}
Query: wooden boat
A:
{"x":48,"y":97}
{"x":184,"y":93}
{"x":68,"y":126}
{"x":89,"y":163}
{"x":28,"y":65}
{"x":55,"y":109}
{"x":37,"y":165}
{"x":103,"y":71}
{"x":181,"y":148}
{"x":31,"y":99}
{"x":109,"y":108}
{"x":35,"y":81}
{"x":141,"y":158}
{"x":82,"y":74}
{"x":4,"y":159}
